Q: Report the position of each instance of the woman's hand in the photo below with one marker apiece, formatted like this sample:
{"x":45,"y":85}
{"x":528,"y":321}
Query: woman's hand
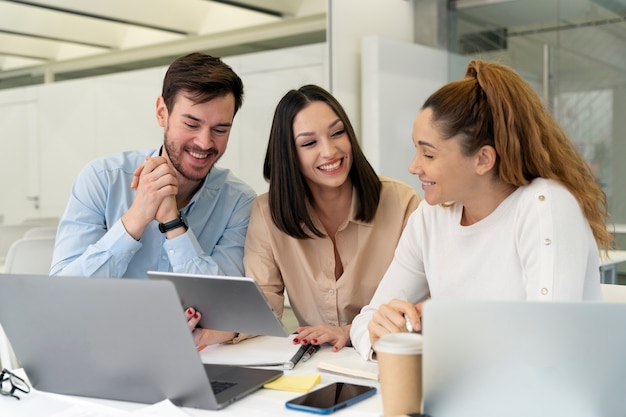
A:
{"x":204,"y":337}
{"x":392,"y":318}
{"x":338,"y":336}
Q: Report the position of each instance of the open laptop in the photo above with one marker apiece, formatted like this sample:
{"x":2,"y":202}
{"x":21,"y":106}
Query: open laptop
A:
{"x":524,"y":359}
{"x":122,"y":339}
{"x":234,"y":304}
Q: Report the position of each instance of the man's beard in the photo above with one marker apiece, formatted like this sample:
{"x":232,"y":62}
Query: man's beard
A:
{"x":175,"y":157}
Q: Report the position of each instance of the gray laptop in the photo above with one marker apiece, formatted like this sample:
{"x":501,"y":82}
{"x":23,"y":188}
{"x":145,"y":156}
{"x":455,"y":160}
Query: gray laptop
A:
{"x":497,"y":359}
{"x":234,"y":304}
{"x":122,"y":339}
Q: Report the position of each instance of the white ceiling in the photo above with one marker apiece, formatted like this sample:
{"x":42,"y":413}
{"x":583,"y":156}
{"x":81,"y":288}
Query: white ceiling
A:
{"x":72,"y":35}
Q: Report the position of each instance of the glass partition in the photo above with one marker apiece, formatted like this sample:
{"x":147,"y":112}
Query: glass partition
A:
{"x":573,"y":52}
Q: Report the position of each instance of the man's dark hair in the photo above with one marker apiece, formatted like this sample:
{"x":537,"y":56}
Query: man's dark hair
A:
{"x":202,"y":77}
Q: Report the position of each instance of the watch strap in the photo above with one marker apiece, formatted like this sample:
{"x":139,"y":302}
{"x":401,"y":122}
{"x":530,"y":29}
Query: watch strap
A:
{"x":173,"y":224}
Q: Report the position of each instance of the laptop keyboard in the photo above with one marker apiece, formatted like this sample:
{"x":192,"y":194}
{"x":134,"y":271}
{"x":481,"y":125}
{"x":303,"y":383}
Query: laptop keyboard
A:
{"x":219,"y":386}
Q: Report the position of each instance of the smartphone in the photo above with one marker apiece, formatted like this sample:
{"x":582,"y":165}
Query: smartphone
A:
{"x":331,"y":398}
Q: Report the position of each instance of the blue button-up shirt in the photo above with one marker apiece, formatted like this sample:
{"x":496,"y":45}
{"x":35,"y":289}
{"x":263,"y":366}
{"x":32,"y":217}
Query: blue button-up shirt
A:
{"x":92,"y":241}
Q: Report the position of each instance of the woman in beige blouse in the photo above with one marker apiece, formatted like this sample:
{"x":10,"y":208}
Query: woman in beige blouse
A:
{"x":327,"y":229}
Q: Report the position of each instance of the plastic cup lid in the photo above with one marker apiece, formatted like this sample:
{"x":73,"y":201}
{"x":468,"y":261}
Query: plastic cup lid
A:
{"x":400,"y":343}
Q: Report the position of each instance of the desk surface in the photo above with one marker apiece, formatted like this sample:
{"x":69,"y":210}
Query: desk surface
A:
{"x":264,"y":402}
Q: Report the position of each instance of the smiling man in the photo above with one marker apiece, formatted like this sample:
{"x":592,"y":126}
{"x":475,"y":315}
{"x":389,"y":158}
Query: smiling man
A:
{"x":168,"y":209}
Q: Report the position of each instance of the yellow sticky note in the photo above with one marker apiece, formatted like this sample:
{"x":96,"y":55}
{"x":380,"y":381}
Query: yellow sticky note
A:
{"x":300,"y":383}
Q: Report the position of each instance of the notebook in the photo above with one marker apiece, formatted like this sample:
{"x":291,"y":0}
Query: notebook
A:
{"x":122,"y":339}
{"x":353,"y":366}
{"x":524,"y":359}
{"x":234,"y":304}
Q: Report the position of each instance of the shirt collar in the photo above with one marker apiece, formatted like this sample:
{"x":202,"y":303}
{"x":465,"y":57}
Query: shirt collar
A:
{"x":351,"y":217}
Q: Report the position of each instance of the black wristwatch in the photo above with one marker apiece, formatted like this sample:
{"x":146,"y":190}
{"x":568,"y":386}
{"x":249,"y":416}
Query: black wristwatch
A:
{"x":174,"y":224}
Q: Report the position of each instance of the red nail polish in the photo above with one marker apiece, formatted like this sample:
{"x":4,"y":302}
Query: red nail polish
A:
{"x":295,"y":340}
{"x":304,"y":341}
{"x":314,"y":341}
{"x":188,"y":311}
{"x":195,"y":316}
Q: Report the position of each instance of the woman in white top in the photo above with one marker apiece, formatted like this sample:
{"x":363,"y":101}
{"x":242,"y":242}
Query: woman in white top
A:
{"x":513,"y":211}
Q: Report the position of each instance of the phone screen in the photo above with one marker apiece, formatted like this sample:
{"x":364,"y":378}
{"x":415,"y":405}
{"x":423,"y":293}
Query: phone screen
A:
{"x":331,"y":397}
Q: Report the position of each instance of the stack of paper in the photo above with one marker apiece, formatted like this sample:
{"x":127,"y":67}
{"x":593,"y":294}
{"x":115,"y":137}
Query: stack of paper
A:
{"x":352,"y":366}
{"x":263,"y":351}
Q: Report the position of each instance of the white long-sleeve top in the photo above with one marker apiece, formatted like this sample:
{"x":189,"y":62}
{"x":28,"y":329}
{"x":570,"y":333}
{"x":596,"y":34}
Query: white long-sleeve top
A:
{"x":536,"y":245}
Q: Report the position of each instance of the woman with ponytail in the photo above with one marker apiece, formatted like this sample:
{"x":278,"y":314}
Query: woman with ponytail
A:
{"x":513,"y":211}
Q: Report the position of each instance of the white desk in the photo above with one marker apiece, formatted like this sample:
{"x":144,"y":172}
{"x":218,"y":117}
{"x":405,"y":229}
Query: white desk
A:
{"x":262,"y":403}
{"x":608,"y":265}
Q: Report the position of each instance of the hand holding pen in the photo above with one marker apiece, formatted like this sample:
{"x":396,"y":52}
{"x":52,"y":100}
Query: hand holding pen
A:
{"x":413,"y":326}
{"x":394,"y":317}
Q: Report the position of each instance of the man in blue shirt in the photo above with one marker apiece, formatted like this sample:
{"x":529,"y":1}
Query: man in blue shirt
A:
{"x":168,"y":209}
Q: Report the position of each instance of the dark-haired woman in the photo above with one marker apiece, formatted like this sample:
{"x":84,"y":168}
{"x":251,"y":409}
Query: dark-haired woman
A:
{"x":326,"y":231}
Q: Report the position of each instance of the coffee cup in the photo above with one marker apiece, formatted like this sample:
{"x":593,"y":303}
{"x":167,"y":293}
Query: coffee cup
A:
{"x":399,"y":358}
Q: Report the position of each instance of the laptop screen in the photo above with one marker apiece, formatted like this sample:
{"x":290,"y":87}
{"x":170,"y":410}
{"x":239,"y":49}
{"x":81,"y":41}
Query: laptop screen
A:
{"x":524,"y":359}
{"x":122,"y":339}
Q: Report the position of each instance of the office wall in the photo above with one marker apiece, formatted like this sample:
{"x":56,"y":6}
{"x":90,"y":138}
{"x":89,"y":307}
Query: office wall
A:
{"x":19,"y":169}
{"x":267,"y":77}
{"x":348,"y":22}
{"x":51,"y":131}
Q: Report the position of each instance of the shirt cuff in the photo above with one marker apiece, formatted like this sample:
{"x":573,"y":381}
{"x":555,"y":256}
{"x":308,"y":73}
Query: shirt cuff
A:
{"x":119,"y":243}
{"x":181,"y":249}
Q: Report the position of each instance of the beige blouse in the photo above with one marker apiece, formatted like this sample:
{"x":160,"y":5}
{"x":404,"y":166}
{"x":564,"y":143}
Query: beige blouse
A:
{"x":305,"y":268}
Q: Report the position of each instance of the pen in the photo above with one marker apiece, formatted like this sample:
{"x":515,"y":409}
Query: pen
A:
{"x":296,"y":358}
{"x":409,"y":326}
{"x":310,"y":352}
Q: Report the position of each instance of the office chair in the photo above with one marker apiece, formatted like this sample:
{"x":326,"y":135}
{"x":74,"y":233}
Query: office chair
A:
{"x":30,"y":255}
{"x":25,"y":256}
{"x":41,"y":221}
{"x":41,"y":231}
{"x":9,"y":233}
